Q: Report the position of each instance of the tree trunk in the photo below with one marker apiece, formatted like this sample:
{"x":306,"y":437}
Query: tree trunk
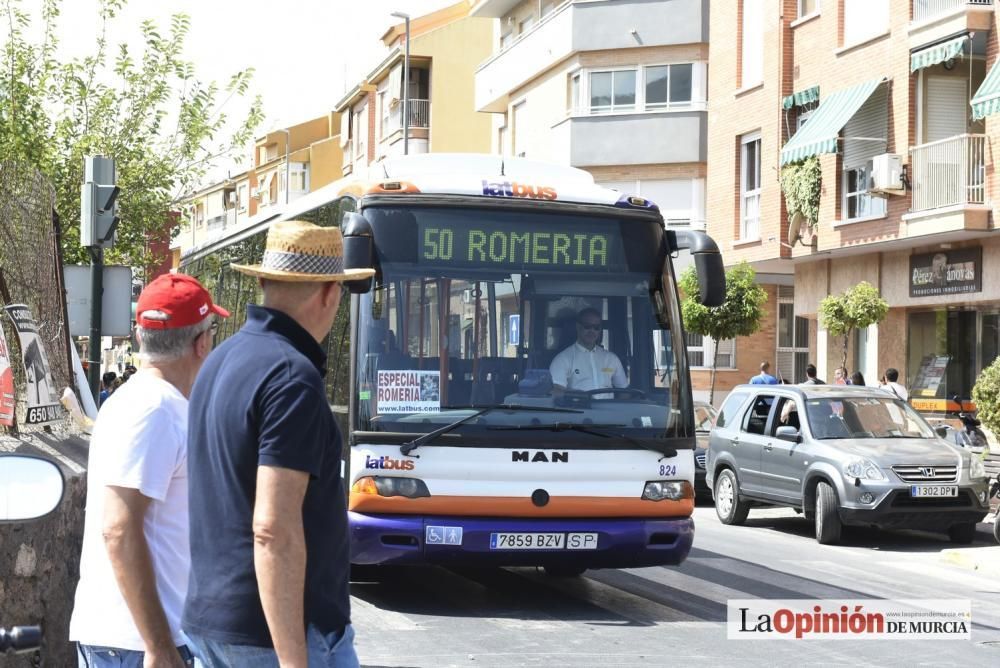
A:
{"x":715,"y":361}
{"x":843,"y":359}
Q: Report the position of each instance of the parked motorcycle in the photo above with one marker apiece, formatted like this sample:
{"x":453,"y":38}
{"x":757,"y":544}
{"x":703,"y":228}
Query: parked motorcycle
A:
{"x":972,"y":436}
{"x":20,"y":639}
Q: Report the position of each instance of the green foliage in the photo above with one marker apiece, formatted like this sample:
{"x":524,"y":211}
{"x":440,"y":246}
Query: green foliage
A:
{"x":856,"y":308}
{"x":801,"y":183}
{"x":986,"y":394}
{"x":740,"y":315}
{"x":148,"y":111}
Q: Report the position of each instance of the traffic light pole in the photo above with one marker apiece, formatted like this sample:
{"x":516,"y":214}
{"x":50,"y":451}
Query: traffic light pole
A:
{"x":96,"y":315}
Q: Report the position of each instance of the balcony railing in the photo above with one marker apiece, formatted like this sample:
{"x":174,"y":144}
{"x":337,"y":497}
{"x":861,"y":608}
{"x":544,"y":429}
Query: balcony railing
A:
{"x":949,"y":172}
{"x":927,"y":9}
{"x":420,"y":115}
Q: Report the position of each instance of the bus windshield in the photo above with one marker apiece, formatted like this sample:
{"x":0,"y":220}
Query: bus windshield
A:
{"x":471,"y":308}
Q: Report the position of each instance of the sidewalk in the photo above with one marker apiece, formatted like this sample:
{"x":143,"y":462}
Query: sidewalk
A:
{"x":984,"y":558}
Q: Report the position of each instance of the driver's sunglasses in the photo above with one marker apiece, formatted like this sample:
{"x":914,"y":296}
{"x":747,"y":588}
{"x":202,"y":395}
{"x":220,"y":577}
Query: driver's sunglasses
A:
{"x":594,"y":327}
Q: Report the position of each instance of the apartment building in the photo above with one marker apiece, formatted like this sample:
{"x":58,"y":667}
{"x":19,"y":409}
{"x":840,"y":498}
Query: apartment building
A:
{"x":896,"y":99}
{"x":444,"y":47}
{"x":308,"y":155}
{"x":616,"y":87}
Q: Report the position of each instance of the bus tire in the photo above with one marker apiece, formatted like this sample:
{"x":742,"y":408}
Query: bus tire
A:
{"x":563,"y":571}
{"x":729,"y":506}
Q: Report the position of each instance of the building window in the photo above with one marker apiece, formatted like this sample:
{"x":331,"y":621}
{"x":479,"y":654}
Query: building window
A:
{"x":199,"y":217}
{"x":383,"y":106}
{"x":502,"y":140}
{"x":803,"y":118}
{"x":525,"y":25}
{"x":573,"y":93}
{"x":242,"y":196}
{"x":792,"y":354}
{"x":858,"y":201}
{"x":808,"y":7}
{"x":750,"y":187}
{"x":702,"y":349}
{"x":361,"y":131}
{"x":612,"y":91}
{"x":752,"y":43}
{"x":298,"y":178}
{"x":864,"y":19}
{"x":261,"y":155}
{"x":506,"y":39}
{"x":668,"y":85}
{"x":517,"y":129}
{"x":547,"y":7}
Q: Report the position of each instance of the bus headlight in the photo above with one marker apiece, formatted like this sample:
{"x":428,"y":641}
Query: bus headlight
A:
{"x":411,"y":488}
{"x":667,"y":490}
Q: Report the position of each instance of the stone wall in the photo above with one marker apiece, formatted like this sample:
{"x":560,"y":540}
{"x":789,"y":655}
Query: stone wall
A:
{"x":40,"y":560}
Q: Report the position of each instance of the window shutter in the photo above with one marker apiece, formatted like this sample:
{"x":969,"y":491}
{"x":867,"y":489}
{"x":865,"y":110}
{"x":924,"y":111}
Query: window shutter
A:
{"x":871,"y":121}
{"x":947,"y":107}
{"x":396,"y":82}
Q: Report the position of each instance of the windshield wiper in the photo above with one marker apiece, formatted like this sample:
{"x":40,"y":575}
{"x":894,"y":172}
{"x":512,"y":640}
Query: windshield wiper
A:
{"x":410,"y":446}
{"x":592,"y":429}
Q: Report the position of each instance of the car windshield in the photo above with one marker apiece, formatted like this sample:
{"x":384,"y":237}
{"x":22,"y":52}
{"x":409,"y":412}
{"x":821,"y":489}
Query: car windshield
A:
{"x":864,"y":417}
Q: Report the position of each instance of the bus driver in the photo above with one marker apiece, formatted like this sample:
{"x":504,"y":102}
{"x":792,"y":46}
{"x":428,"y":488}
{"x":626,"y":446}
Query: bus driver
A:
{"x":586,"y":365}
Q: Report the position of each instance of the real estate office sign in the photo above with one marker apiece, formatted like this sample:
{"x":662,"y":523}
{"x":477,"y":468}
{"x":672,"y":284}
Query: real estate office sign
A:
{"x":949,"y":272}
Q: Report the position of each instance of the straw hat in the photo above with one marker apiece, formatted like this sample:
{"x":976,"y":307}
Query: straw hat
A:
{"x":300,"y":251}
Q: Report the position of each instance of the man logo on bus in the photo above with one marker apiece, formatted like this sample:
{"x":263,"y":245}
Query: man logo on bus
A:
{"x":515,"y":189}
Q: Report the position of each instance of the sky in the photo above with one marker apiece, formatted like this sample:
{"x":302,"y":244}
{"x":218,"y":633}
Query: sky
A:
{"x":306,"y":53}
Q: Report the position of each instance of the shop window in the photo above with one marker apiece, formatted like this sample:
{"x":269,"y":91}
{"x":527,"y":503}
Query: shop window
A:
{"x":990,"y":339}
{"x":942,"y":359}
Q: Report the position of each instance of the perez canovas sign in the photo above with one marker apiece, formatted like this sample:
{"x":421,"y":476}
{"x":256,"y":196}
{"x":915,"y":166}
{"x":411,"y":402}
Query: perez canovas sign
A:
{"x":949,"y":272}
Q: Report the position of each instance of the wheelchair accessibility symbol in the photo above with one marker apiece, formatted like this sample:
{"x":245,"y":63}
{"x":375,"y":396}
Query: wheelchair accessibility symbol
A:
{"x":436,"y":535}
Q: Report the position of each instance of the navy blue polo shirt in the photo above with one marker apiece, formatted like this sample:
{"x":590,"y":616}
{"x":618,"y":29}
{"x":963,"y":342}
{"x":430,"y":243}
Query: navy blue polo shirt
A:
{"x":260,"y":400}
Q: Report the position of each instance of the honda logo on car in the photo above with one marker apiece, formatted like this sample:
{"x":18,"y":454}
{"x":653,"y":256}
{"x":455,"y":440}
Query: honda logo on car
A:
{"x":927,"y":472}
{"x":526,"y":456}
{"x":515,"y":189}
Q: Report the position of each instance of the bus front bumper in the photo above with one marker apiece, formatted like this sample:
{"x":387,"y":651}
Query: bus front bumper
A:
{"x":594,"y":543}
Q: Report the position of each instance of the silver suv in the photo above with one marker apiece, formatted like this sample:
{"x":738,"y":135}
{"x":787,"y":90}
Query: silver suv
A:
{"x":841,"y":455}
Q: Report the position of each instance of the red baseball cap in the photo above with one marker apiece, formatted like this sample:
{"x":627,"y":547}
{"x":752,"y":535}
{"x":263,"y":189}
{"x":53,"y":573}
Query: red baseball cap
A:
{"x":179,"y":300}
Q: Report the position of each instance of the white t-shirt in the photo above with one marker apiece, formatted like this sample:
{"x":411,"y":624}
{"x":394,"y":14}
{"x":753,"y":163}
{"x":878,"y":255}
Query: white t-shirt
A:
{"x":896,"y":389}
{"x":577,"y":368}
{"x":139,"y":441}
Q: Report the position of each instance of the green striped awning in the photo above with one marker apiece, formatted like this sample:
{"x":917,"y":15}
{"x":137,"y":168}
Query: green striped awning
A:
{"x":938,"y":53}
{"x":800,"y":98}
{"x":820,"y":134}
{"x":986,"y":101}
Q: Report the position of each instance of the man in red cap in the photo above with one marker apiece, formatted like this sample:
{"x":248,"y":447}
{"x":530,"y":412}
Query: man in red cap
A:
{"x":136,"y":557}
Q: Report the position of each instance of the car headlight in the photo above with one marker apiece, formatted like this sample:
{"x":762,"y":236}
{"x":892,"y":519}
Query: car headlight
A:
{"x":411,"y":488}
{"x":864,"y":469}
{"x":976,"y":467}
{"x":667,"y":490}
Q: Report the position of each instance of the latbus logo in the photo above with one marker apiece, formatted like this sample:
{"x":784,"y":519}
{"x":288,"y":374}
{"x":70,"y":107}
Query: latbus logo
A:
{"x":515,"y":189}
{"x":388,"y":463}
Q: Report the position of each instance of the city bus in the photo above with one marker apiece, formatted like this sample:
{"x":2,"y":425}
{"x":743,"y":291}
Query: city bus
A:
{"x":459,"y":372}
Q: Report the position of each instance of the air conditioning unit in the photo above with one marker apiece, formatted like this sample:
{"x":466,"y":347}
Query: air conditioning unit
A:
{"x":887,"y":174}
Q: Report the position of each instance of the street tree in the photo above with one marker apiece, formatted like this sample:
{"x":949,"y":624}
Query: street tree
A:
{"x":986,"y":394}
{"x":856,"y":308}
{"x":741,"y":314}
{"x":148,"y":110}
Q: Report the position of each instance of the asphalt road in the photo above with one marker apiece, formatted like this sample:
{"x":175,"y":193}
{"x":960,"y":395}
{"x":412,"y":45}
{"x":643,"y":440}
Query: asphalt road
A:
{"x":663,"y":616}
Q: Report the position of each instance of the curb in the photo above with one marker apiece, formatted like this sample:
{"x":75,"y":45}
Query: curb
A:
{"x":984,"y":560}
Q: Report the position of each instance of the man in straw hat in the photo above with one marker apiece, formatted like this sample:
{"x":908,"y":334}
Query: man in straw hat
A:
{"x":270,"y":562}
{"x":135,"y":559}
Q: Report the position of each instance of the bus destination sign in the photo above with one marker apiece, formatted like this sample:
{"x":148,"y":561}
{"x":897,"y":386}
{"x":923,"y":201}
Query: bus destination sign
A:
{"x":504,"y":245}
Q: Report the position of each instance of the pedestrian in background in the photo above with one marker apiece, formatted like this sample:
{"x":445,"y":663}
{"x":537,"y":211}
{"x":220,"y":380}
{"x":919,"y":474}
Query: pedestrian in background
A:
{"x":107,"y":386}
{"x":270,"y":558}
{"x":840,"y":376}
{"x":890,"y":384}
{"x":811,"y":378}
{"x":857,"y":378}
{"x":764,"y":377}
{"x":135,"y":558}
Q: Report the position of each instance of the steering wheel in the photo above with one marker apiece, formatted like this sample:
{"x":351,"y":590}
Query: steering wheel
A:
{"x":627,"y":391}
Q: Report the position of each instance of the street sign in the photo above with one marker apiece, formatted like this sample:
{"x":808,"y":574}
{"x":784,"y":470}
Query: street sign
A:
{"x":514,"y":329}
{"x":116,"y":309}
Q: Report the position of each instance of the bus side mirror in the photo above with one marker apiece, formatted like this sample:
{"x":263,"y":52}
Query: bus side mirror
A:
{"x":707,"y":262}
{"x":359,"y":249}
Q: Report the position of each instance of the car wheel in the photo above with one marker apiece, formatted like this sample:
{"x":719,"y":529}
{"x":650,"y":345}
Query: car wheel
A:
{"x":565,"y":571}
{"x":828,"y":524}
{"x":963,"y":533}
{"x":730,"y":508}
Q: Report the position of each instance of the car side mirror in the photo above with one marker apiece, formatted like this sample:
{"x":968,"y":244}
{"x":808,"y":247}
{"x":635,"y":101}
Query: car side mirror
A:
{"x":30,"y":487}
{"x":790,"y":434}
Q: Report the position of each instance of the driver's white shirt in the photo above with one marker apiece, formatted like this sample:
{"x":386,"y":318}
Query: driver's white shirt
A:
{"x":577,"y":368}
